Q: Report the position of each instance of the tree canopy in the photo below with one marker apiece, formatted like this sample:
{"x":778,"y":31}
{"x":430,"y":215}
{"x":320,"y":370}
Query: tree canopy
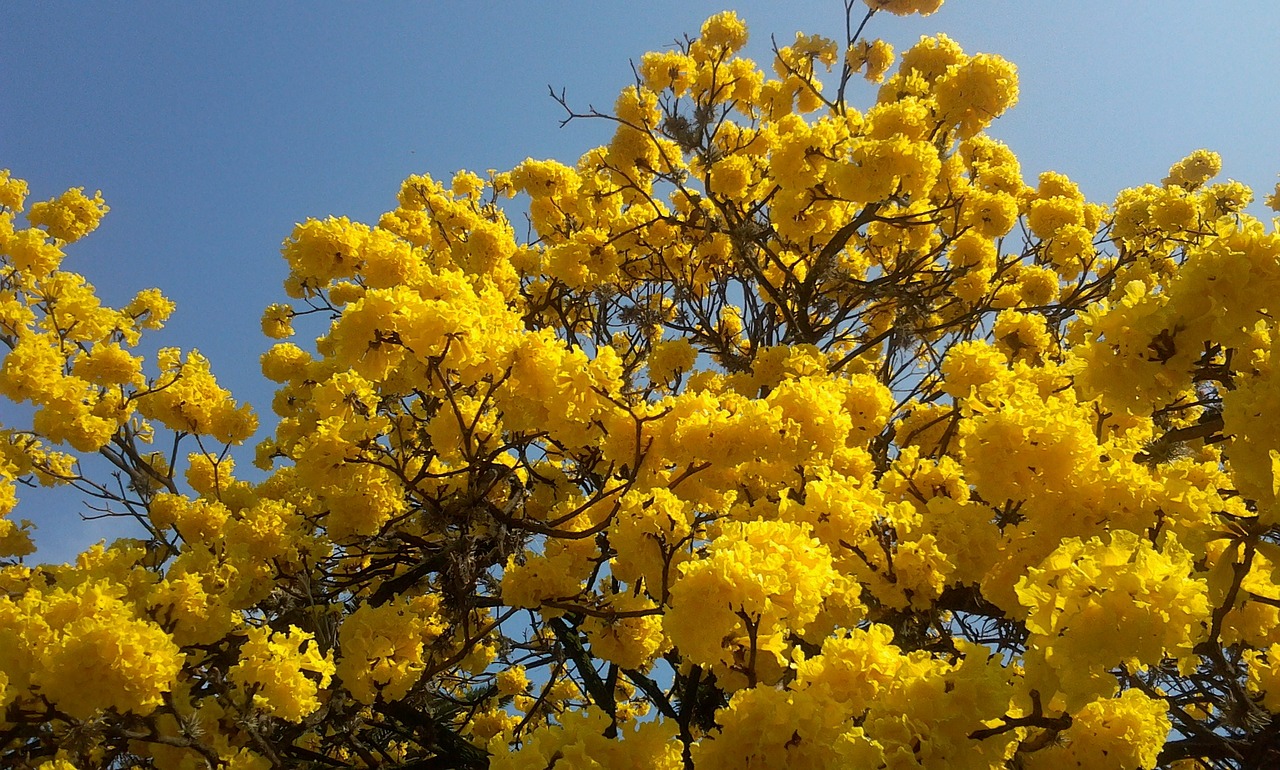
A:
{"x":792,"y":428}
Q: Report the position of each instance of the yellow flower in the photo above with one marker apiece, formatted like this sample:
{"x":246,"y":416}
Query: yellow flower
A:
{"x":759,"y":577}
{"x":631,"y":641}
{"x":732,"y":177}
{"x":724,"y":32}
{"x":109,"y":364}
{"x":1272,"y":201}
{"x":383,"y":648}
{"x":282,"y":672}
{"x":187,"y":398}
{"x":873,"y":58}
{"x":668,"y":359}
{"x":13,"y":191}
{"x":905,"y":7}
{"x":1126,"y":733}
{"x":277,"y":321}
{"x":1194,"y":170}
{"x":150,"y":308}
{"x":70,"y":216}
{"x":96,"y":652}
{"x":319,"y":251}
{"x":1092,"y":605}
{"x":512,"y":681}
{"x":991,"y":214}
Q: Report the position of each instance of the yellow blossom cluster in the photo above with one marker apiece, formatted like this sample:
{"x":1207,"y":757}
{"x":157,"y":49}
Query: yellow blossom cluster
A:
{"x":383,"y":647}
{"x":85,"y":648}
{"x":273,"y":670}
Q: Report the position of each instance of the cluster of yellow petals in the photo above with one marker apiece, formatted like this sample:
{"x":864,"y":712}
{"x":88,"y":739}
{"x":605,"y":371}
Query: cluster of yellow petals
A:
{"x":84,"y":649}
{"x":273,"y":670}
{"x":383,"y":647}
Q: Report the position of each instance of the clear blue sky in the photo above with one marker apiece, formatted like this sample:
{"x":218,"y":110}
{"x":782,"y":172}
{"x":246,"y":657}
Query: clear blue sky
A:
{"x":212,"y":128}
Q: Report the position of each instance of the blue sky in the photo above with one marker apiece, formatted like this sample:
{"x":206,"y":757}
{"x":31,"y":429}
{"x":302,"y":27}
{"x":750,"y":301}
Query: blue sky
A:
{"x":211,"y":129}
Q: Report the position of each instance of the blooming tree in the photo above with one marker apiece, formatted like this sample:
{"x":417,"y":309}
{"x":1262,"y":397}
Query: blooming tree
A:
{"x":794,"y":434}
